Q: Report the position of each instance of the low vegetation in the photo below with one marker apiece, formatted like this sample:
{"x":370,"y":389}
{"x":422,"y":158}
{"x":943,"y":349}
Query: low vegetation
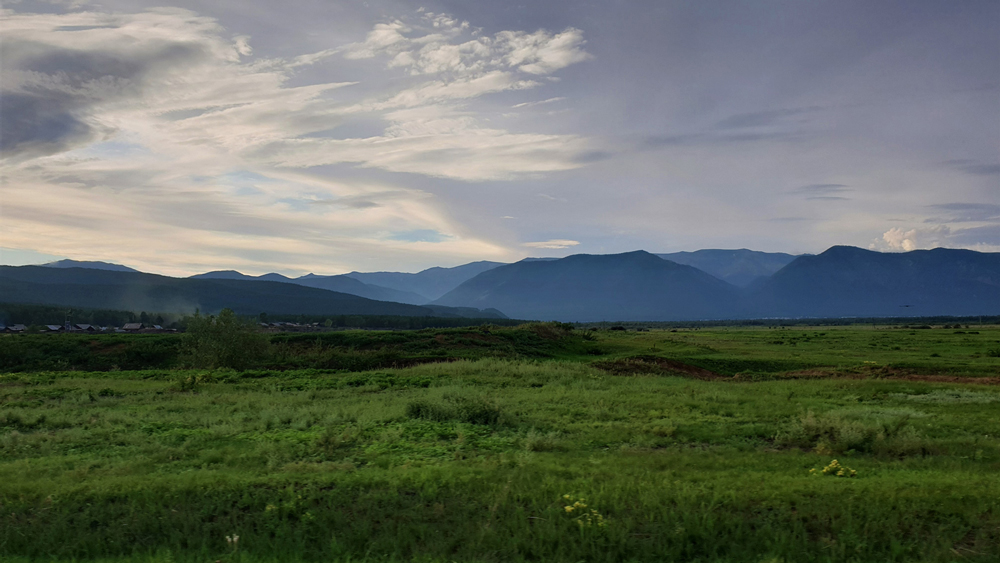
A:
{"x":537,"y":443}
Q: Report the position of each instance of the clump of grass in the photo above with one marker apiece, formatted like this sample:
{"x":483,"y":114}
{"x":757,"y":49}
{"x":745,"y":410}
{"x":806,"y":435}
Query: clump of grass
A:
{"x":457,"y":408}
{"x":191,"y":382}
{"x":837,"y":433}
{"x":950,"y":396}
{"x":535,"y":441}
{"x":332,"y":440}
{"x":661,"y":428}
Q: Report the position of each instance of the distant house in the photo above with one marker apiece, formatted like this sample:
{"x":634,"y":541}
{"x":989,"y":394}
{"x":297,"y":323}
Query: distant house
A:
{"x":85,"y":328}
{"x":17,"y":328}
{"x":54,"y":328}
{"x":132,"y":326}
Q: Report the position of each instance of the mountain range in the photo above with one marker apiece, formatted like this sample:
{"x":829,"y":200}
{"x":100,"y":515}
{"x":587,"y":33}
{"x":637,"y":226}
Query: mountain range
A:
{"x":136,"y":291}
{"x":341,"y":283}
{"x":846,"y":281}
{"x":639,"y":286}
{"x":841,"y":282}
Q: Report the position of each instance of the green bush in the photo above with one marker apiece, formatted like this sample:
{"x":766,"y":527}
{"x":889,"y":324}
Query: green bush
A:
{"x":224,"y":341}
{"x":879,"y":433}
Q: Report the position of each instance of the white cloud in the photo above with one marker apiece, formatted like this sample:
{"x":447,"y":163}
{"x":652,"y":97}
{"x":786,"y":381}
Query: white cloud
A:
{"x":431,"y":48}
{"x":542,"y":52}
{"x":898,"y":239}
{"x":463,"y":88}
{"x":530,"y":104}
{"x":984,"y":238}
{"x":174,"y":134}
{"x":384,"y":38}
{"x":552,"y":244}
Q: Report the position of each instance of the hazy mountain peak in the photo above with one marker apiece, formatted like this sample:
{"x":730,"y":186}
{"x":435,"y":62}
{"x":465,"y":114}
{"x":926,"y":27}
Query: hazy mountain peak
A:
{"x":431,"y":283}
{"x":592,"y":287}
{"x":741,"y":267}
{"x":222,"y":275}
{"x":90,"y":265}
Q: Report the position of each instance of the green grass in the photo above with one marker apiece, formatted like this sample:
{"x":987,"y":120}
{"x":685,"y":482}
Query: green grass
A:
{"x":964,"y":352}
{"x":469,"y":460}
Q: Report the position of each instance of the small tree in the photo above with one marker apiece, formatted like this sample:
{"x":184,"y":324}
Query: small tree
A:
{"x":224,"y":341}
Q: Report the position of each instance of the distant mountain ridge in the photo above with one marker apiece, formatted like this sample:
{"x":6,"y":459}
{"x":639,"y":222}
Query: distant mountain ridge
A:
{"x":841,"y":282}
{"x":584,"y":287}
{"x":341,"y":283}
{"x":91,"y":265}
{"x":134,"y":291}
{"x":739,"y":267}
{"x":847,"y":281}
{"x":431,"y":283}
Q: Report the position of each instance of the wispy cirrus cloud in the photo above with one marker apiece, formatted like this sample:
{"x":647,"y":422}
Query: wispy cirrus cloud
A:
{"x":828,"y":192}
{"x":531,"y":104}
{"x":966,"y":212}
{"x":974,"y":167}
{"x":553,"y":244}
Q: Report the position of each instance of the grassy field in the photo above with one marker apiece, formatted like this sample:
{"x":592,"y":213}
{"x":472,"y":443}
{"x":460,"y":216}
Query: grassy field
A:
{"x":501,"y":444}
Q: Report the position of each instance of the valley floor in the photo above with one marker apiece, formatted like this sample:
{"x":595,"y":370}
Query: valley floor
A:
{"x":820,"y":444}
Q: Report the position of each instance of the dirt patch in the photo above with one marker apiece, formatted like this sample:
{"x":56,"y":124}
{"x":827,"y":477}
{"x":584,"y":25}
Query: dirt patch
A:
{"x":656,"y":366}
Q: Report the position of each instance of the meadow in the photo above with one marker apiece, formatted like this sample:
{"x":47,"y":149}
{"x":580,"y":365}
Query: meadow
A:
{"x":534,"y":443}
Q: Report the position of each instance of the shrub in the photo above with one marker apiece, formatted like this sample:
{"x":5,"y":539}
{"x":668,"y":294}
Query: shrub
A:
{"x":224,"y":341}
{"x":875,"y":433}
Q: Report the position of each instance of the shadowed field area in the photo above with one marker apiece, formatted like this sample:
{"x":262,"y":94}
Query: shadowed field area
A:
{"x":539,"y":443}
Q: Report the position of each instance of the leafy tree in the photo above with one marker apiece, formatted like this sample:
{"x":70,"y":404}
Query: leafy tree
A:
{"x":225,"y":341}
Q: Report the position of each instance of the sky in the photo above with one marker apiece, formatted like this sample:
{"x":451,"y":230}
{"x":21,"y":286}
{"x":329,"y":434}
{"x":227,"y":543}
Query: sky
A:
{"x":329,"y":136}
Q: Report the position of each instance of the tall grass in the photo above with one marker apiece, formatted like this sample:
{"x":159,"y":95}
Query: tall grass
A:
{"x":470,"y":461}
